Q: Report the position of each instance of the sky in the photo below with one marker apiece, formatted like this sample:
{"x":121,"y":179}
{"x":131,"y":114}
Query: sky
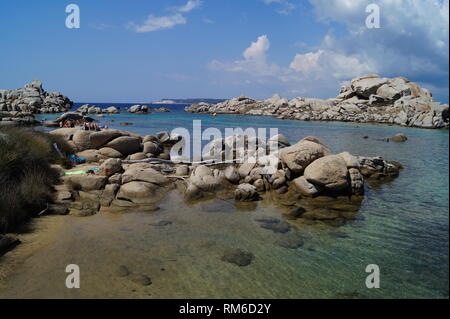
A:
{"x":146,"y":50}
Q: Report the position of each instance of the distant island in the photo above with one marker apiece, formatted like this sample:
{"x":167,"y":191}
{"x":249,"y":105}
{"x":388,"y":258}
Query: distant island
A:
{"x":189,"y":101}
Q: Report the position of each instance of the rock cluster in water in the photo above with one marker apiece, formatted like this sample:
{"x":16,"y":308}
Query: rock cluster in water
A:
{"x":366,"y":99}
{"x":17,"y":107}
{"x":32,"y":98}
{"x":135,"y":171}
{"x":136,"y":109}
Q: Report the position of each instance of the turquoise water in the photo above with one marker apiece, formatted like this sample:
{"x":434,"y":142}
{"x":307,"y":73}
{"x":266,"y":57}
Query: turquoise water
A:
{"x":402,"y":226}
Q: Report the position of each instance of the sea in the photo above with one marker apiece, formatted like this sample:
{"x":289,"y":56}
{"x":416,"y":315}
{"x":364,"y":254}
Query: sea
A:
{"x":402,"y":227}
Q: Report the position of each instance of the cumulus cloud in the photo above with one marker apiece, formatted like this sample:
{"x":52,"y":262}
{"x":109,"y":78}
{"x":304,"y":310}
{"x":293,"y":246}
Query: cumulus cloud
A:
{"x":322,"y":64}
{"x":254,"y":62}
{"x":412,"y":42}
{"x":307,"y":73}
{"x":258,"y":49}
{"x":154,"y":23}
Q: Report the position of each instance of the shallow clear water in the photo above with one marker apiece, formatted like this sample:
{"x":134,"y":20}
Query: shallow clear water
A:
{"x":402,"y":226}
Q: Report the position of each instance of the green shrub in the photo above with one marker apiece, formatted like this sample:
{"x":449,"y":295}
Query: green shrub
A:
{"x":26,"y":175}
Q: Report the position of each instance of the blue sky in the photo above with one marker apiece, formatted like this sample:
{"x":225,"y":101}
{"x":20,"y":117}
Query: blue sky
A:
{"x":141,"y":51}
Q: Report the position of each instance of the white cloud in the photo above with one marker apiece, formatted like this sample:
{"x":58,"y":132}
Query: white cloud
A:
{"x":157,"y":23}
{"x":312,"y":71}
{"x":412,"y":40}
{"x":154,"y":23}
{"x":322,"y":64}
{"x":189,"y":6}
{"x":306,"y":62}
{"x":254,"y":62}
{"x":258,"y":49}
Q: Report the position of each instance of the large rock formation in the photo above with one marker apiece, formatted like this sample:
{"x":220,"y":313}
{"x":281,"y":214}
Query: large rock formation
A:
{"x":34,"y":99}
{"x":300,"y":155}
{"x":306,"y":171}
{"x":366,"y":99}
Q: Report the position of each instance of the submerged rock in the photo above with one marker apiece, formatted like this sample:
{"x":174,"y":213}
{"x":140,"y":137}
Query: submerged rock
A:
{"x":338,"y":235}
{"x":281,"y":227}
{"x":267,"y":220}
{"x":238,"y":257}
{"x":399,"y":138}
{"x":290,"y":242}
{"x":122,"y":271}
{"x":321,"y":214}
{"x":296,"y":213}
{"x":142,"y":280}
{"x":161,"y":223}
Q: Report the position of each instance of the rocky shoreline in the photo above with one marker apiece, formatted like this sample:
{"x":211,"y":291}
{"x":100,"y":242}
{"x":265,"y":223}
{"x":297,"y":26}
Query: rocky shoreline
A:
{"x":366,"y":99}
{"x":17,"y":107}
{"x":136,"y":109}
{"x":125,"y":171}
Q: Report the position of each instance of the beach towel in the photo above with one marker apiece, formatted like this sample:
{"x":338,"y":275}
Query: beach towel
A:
{"x":75,"y":173}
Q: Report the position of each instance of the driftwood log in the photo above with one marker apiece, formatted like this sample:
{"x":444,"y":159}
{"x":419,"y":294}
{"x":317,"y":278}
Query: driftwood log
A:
{"x":163,"y":161}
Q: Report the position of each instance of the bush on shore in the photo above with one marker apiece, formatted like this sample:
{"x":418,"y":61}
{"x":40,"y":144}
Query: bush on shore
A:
{"x":26,"y":175}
